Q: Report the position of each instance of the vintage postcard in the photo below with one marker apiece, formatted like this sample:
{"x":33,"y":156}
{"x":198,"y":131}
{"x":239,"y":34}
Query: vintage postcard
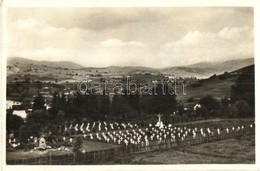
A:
{"x":126,"y":86}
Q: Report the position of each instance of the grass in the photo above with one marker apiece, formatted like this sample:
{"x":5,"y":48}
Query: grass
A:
{"x":218,"y":88}
{"x":230,"y":151}
{"x":240,"y":149}
{"x":95,"y":146}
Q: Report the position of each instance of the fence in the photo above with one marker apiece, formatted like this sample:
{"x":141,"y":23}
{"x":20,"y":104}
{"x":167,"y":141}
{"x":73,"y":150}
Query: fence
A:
{"x":96,"y":157}
{"x":45,"y":160}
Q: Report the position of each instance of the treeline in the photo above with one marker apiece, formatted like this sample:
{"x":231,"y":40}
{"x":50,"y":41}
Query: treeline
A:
{"x":116,"y":107}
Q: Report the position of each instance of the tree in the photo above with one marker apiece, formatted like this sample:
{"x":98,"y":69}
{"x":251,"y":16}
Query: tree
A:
{"x":146,"y":105}
{"x":202,"y":111}
{"x":209,"y":102}
{"x":191,"y":99}
{"x":84,"y":106}
{"x":13,"y":123}
{"x":60,"y":118}
{"x":214,"y":113}
{"x":118,"y":106}
{"x":244,"y":88}
{"x":133,"y":101}
{"x":244,"y":109}
{"x":180,"y":109}
{"x":39,"y":102}
{"x":225,"y":102}
{"x":55,"y":106}
{"x":233,"y":111}
{"x":104,"y":105}
{"x":37,"y":123}
{"x":161,"y":101}
{"x":24,"y":133}
{"x":92,"y":107}
{"x":16,"y":79}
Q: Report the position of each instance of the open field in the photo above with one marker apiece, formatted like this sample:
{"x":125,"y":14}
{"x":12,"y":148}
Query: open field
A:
{"x":216,"y":87}
{"x":239,"y":150}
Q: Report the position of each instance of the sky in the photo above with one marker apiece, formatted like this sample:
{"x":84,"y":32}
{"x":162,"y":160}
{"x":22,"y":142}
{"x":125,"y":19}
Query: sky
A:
{"x":151,"y":37}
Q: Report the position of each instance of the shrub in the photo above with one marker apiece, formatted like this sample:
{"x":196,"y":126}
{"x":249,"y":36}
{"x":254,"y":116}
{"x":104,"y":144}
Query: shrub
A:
{"x":191,"y":99}
{"x":78,"y":144}
{"x":244,"y":109}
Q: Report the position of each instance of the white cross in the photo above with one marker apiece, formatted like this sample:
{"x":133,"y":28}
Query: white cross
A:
{"x":159,"y":117}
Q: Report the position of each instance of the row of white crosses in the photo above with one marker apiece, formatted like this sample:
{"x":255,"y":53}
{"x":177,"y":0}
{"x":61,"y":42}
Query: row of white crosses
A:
{"x":158,"y":134}
{"x":140,"y":136}
{"x":99,"y":126}
{"x":237,"y":129}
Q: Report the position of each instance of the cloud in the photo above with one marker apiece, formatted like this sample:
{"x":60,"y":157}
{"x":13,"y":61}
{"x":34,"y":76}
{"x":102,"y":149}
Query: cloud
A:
{"x":88,"y":18}
{"x":196,"y":46}
{"x":120,"y":43}
{"x":26,"y":24}
{"x":32,"y":34}
{"x":237,"y":33}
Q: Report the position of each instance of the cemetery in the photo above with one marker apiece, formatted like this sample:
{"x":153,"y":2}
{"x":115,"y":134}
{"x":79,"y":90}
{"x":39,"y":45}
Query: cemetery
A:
{"x":111,"y":140}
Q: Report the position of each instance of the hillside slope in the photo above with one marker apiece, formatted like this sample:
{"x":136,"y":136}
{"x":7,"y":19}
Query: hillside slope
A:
{"x":218,"y":86}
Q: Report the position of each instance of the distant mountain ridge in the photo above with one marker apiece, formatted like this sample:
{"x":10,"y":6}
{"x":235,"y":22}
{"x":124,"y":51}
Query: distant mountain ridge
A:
{"x":199,"y":70}
{"x":22,"y":62}
{"x":206,"y":69}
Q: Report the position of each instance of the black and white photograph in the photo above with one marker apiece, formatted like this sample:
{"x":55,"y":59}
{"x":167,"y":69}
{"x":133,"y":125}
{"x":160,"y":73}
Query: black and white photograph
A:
{"x":120,"y":85}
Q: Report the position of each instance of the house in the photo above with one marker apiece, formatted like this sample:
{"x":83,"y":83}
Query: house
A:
{"x":10,"y":104}
{"x":21,"y":113}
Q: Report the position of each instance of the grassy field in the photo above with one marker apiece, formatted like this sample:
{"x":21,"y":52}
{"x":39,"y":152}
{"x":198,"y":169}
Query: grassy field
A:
{"x":229,"y":151}
{"x":216,"y":87}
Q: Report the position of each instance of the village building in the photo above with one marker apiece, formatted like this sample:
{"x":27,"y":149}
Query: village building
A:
{"x":21,"y":113}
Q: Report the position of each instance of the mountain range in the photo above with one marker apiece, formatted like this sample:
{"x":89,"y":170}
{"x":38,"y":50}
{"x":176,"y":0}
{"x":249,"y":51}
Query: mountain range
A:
{"x":207,"y":69}
{"x":199,"y":70}
{"x":22,"y":62}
